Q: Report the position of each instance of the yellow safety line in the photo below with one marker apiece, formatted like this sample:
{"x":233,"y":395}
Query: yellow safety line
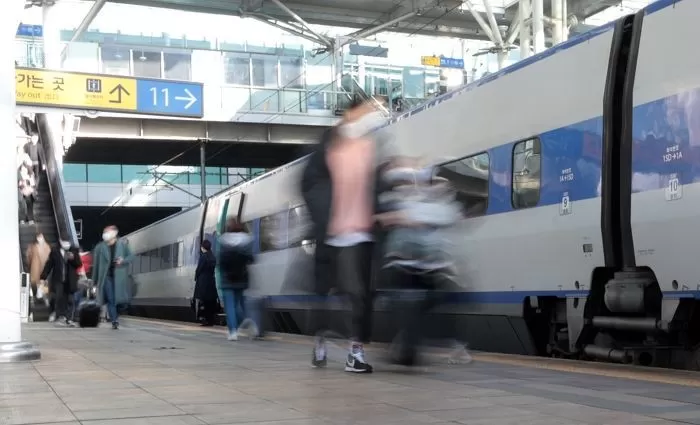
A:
{"x":637,"y":373}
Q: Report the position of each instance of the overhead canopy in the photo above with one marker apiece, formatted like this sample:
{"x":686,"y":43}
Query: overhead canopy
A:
{"x":425,"y":17}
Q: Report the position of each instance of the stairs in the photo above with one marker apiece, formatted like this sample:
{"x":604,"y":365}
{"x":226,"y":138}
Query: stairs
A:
{"x":46,"y":224}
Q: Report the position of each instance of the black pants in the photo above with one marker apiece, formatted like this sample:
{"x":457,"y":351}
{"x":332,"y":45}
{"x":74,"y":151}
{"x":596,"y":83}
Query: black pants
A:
{"x":36,"y":167}
{"x":61,"y":296}
{"x":417,"y":293}
{"x":28,"y":208}
{"x":351,"y":271}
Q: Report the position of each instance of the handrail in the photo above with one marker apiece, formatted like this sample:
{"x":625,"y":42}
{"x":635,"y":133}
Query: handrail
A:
{"x":47,"y":154}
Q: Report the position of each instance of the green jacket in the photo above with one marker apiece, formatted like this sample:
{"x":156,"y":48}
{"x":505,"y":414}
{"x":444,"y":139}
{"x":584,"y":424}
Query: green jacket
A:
{"x":100,"y":267}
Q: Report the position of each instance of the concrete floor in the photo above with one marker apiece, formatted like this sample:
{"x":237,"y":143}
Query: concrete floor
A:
{"x":163,"y":373}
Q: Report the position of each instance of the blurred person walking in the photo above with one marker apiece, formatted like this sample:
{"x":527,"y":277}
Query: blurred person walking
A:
{"x":110,"y":269}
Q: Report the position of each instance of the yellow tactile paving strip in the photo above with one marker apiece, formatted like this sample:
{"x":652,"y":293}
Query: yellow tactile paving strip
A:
{"x":662,"y":376}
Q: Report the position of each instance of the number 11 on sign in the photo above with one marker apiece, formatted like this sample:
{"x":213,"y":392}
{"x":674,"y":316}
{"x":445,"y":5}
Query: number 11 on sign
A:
{"x":166,"y":96}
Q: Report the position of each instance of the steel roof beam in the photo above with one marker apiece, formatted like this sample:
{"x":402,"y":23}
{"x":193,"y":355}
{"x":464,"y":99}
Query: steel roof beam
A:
{"x":494,"y":26}
{"x":368,"y":32}
{"x":268,"y":20}
{"x":84,"y":24}
{"x":477,"y":17}
{"x":324,"y":39}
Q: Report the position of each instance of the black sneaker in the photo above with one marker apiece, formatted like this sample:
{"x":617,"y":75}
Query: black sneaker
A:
{"x":319,"y":354}
{"x":356,"y":363}
{"x":115,"y":325}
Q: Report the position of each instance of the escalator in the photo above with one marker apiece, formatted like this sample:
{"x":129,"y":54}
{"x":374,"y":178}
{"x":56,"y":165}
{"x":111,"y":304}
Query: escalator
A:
{"x":52,"y":213}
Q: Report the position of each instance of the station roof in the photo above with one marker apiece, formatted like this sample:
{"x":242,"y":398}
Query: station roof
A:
{"x":449,"y":18}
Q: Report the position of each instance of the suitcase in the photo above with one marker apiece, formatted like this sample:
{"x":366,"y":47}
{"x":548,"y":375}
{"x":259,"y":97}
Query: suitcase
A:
{"x":89,"y":314}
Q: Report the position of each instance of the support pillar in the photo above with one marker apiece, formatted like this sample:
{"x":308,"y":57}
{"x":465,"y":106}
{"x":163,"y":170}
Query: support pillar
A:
{"x":337,"y":69}
{"x":524,"y":13}
{"x":558,"y":22}
{"x":565,"y":21}
{"x":203,"y":170}
{"x":52,"y":60}
{"x":538,"y":25}
{"x":502,"y":55}
{"x":52,"y":36}
{"x":12,"y":349}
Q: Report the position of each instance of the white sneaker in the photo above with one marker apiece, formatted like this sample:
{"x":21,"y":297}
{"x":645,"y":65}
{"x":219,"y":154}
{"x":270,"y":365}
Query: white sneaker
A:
{"x":52,"y":317}
{"x":233,"y":336}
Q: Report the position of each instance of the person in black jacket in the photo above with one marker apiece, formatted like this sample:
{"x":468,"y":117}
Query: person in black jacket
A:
{"x":205,"y":294}
{"x":235,"y":255}
{"x":31,"y":148}
{"x":62,"y":265}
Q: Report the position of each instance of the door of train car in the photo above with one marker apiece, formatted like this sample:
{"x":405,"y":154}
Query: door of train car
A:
{"x":665,"y":147}
{"x":230,"y":207}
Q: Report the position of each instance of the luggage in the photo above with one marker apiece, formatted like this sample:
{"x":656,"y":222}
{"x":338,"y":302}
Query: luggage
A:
{"x":89,"y":314}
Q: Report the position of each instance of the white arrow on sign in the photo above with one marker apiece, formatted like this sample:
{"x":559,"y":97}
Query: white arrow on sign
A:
{"x":190,"y":99}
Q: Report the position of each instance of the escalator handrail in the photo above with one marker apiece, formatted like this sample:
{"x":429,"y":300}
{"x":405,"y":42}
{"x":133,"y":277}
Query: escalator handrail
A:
{"x":63,"y":215}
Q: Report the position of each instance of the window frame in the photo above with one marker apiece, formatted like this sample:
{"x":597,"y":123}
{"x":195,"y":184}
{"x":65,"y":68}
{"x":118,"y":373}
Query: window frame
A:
{"x":537,"y":139}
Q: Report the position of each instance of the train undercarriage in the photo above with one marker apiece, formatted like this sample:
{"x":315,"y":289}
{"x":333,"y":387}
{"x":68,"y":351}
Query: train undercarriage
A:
{"x":623,"y":319}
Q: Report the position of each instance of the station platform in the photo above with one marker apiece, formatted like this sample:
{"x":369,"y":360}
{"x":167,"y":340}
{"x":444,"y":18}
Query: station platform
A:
{"x":154,"y":373}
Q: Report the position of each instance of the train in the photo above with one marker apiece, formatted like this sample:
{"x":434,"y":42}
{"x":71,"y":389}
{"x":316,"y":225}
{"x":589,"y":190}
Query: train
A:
{"x":578,"y":170}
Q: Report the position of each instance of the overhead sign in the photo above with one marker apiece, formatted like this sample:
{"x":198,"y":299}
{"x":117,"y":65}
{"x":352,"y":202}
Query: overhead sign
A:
{"x":162,"y":97}
{"x":374,"y":51}
{"x":442,"y":62}
{"x":25,"y":30}
{"x":36,"y":87}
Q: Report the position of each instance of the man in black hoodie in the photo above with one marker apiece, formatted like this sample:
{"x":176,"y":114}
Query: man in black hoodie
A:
{"x":31,"y":148}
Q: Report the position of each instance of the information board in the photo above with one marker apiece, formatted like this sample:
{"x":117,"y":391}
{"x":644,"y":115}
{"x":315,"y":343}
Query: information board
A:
{"x":38,"y":87}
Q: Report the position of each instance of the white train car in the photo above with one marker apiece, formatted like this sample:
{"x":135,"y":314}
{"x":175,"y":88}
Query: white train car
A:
{"x":574,"y":168}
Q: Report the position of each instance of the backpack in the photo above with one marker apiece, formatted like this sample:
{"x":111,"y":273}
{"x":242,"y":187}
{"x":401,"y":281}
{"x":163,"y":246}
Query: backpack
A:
{"x":316,"y":187}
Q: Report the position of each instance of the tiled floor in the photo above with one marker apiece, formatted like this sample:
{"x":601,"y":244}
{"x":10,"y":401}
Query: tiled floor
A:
{"x":164,"y":374}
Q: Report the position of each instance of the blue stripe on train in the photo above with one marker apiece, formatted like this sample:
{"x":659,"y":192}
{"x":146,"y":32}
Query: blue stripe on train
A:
{"x":509,"y":297}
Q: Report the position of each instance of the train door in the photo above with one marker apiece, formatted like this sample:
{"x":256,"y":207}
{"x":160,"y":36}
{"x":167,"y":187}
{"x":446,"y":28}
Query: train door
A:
{"x":229,"y":207}
{"x":665,"y":151}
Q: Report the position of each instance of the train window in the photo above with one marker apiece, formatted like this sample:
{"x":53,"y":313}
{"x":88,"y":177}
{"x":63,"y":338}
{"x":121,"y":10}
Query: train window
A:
{"x":470,"y":179}
{"x":299,"y":226}
{"x":272,"y":235}
{"x":177,"y":254}
{"x":155,"y":260}
{"x":526,"y":173}
{"x":166,"y":257}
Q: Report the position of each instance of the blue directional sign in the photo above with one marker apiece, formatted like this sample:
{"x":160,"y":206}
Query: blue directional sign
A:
{"x":451,"y":63}
{"x":26,"y":30}
{"x":162,"y":97}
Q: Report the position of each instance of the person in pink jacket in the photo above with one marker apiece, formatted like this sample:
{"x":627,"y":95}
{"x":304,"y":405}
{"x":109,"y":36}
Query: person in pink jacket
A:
{"x":351,"y":159}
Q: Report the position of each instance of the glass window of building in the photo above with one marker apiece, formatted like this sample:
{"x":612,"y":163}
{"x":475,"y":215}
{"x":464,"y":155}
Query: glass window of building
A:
{"x":75,"y":173}
{"x":237,"y":68}
{"x":177,"y":66}
{"x":104,"y":173}
{"x":115,"y":60}
{"x":264,"y":71}
{"x":291,"y":73}
{"x":147,"y":64}
{"x":135,"y":173}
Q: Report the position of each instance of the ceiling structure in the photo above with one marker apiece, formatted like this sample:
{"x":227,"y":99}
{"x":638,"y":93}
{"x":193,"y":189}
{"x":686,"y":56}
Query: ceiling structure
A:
{"x":445,"y":18}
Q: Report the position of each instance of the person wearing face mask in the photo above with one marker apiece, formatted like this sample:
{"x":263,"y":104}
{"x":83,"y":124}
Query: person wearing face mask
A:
{"x":110,"y":270}
{"x":62,"y":267}
{"x":31,"y":148}
{"x":27,"y":189}
{"x":341,"y":199}
{"x":205,"y":294}
{"x":37,"y":255}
